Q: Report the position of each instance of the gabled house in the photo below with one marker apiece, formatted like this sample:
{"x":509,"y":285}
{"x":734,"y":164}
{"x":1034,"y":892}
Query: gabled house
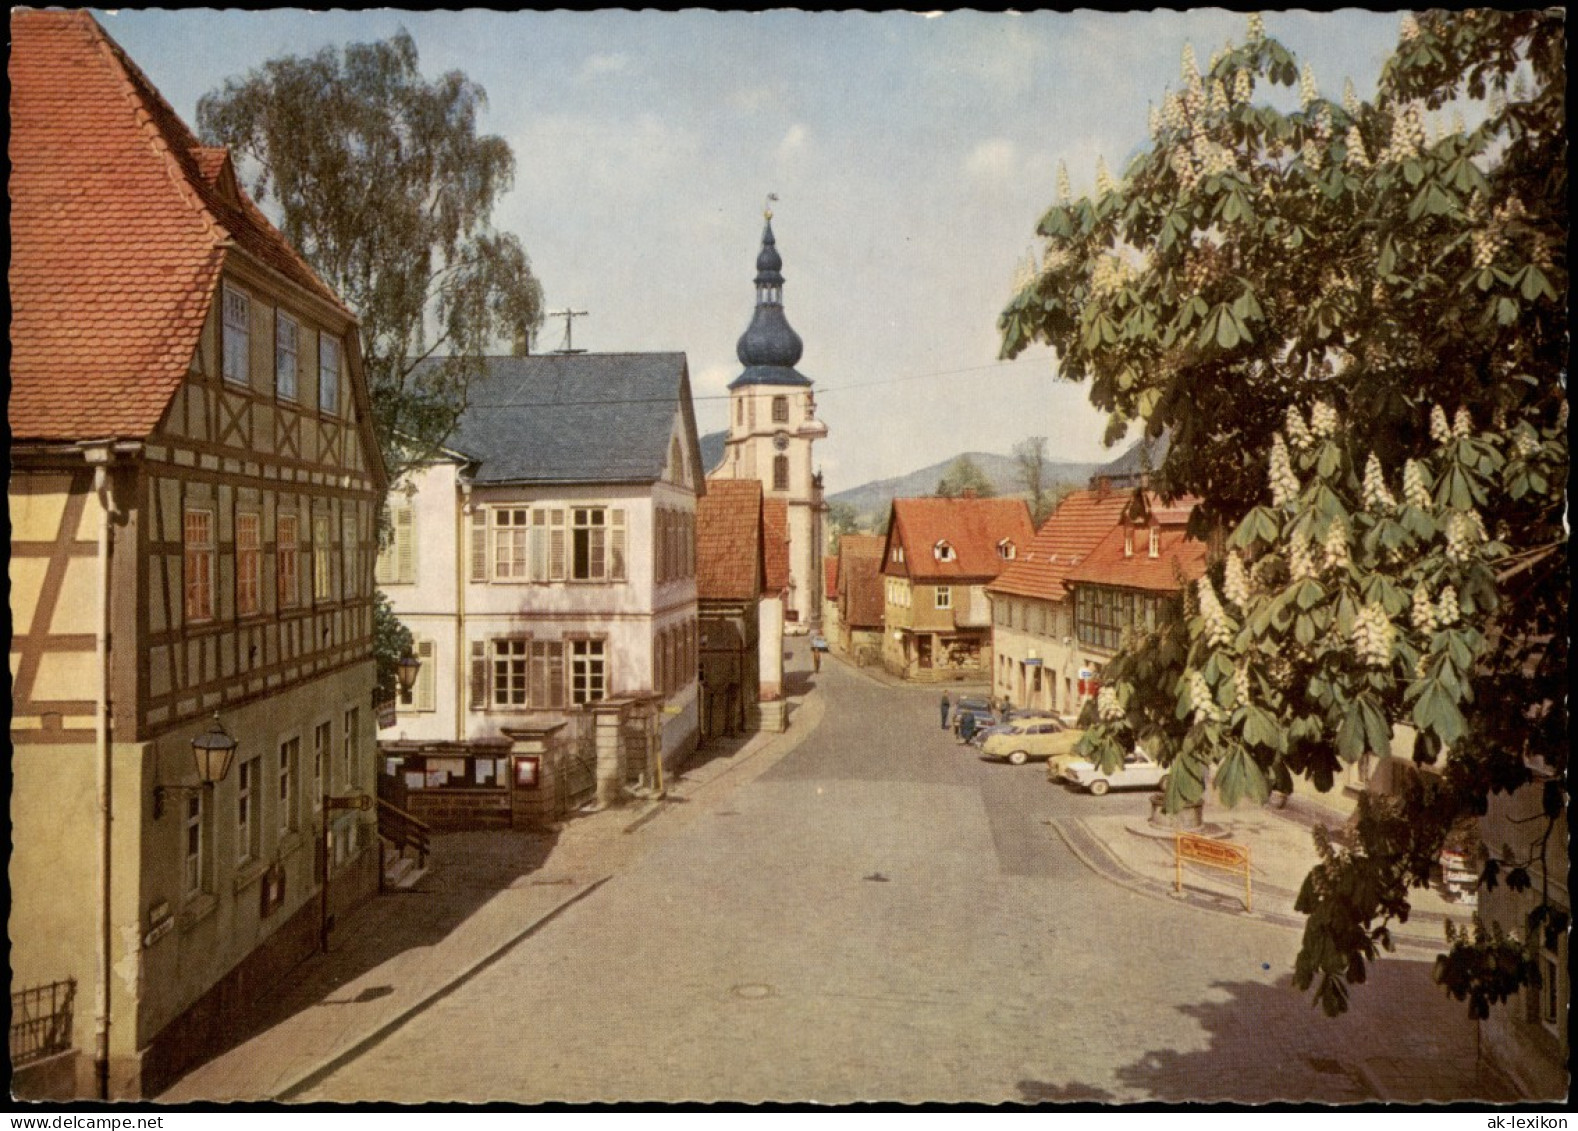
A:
{"x":938,"y":558}
{"x":193,"y":494}
{"x":545,"y":565}
{"x":860,"y":596}
{"x":830,"y":597}
{"x":731,"y":576}
{"x":1033,"y":653}
{"x":1127,"y":584}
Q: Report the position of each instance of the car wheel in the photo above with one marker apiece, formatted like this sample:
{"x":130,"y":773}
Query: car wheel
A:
{"x":1098,"y":787}
{"x":1018,"y":758}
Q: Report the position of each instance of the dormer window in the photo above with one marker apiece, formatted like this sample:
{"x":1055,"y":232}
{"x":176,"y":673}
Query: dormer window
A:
{"x":1156,"y":542}
{"x":1005,"y":550}
{"x":942,"y":551}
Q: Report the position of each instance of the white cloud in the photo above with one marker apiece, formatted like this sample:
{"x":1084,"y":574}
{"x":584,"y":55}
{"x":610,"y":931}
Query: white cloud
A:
{"x":612,"y":63}
{"x":992,"y":160}
{"x":792,"y":142}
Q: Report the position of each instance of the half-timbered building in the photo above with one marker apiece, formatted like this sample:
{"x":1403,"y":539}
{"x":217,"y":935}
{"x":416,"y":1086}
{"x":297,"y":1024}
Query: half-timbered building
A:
{"x":193,"y":493}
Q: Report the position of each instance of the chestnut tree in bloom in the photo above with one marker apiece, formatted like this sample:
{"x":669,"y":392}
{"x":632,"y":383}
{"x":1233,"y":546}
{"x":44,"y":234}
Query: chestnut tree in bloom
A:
{"x":1351,"y":318}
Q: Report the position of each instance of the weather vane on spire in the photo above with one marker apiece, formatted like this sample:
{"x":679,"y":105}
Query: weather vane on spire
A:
{"x":767,"y":209}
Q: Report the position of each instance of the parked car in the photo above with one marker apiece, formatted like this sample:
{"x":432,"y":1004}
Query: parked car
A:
{"x":979,"y":706}
{"x":1016,"y":714}
{"x":1024,"y":739}
{"x":1139,"y":771}
{"x":1058,"y":765}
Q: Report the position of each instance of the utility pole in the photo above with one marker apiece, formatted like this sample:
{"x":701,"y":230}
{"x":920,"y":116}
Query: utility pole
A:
{"x":569,"y":317}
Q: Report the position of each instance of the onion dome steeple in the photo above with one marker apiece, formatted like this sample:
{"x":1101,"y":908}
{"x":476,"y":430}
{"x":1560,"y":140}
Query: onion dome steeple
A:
{"x":769,"y":348}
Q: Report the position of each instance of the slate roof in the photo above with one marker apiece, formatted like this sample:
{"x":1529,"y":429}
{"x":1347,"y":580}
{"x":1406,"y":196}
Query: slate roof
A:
{"x":121,"y":223}
{"x":775,"y":544}
{"x":713,"y":447}
{"x":577,"y":418}
{"x":729,"y":563}
{"x":1179,"y":559}
{"x":860,"y":580}
{"x":1066,"y":538}
{"x":972,"y":526}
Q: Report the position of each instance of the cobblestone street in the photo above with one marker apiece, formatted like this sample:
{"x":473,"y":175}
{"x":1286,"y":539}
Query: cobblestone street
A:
{"x":881,"y":915}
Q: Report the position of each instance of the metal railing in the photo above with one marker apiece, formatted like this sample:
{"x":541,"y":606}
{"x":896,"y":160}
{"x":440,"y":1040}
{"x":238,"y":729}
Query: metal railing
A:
{"x":403,"y":830}
{"x":41,"y":1020}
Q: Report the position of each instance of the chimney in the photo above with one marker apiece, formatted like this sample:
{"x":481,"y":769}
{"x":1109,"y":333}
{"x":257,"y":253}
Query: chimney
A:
{"x":967,"y":493}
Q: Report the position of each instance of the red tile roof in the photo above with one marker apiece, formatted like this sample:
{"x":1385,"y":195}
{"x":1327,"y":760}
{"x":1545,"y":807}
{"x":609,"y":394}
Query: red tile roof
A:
{"x":830,"y":577}
{"x":1070,"y":533}
{"x":120,"y":225}
{"x":860,"y":586}
{"x":1179,"y":559}
{"x":973,"y":527}
{"x":729,"y":541}
{"x":775,"y":543}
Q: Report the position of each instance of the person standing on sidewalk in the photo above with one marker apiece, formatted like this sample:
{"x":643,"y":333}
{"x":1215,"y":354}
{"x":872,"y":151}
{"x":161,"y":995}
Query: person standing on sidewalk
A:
{"x":945,"y":707}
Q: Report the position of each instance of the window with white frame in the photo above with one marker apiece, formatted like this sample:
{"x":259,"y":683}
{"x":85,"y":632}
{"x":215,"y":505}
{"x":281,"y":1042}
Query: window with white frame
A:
{"x":248,"y":828}
{"x":421,"y":696}
{"x":289,"y":758}
{"x":780,"y":410}
{"x":249,"y":564}
{"x":511,"y":527}
{"x":195,"y":863}
{"x":1155,"y":542}
{"x":237,"y":333}
{"x":943,"y":551}
{"x":1005,"y":550}
{"x":397,"y":560}
{"x":328,"y":373}
{"x":511,"y":663}
{"x":597,"y":548}
{"x":199,"y":564}
{"x":287,"y":353}
{"x":944,"y":597}
{"x":588,"y":672}
{"x":287,"y":559}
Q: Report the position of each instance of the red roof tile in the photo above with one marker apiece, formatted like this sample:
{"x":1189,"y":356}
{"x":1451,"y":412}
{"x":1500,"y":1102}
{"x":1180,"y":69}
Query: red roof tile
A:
{"x":729,"y":541}
{"x":830,"y":577}
{"x":973,"y":527}
{"x":120,"y":224}
{"x":1070,"y":533}
{"x":861,"y":592}
{"x":775,"y":543}
{"x":1179,"y":559}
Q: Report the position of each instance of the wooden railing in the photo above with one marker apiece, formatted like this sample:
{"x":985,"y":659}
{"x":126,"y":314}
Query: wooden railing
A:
{"x":41,"y":1020}
{"x":403,"y":830}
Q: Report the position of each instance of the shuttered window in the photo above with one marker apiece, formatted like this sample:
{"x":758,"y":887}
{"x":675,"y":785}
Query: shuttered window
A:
{"x":421,"y":697}
{"x":397,"y":560}
{"x":479,"y":544}
{"x":547,"y":673}
{"x":479,"y":675}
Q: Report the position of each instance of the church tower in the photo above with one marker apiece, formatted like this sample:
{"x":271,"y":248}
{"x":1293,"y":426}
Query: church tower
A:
{"x":772,"y":425}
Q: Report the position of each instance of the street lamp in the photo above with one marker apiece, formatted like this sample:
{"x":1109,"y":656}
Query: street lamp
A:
{"x":212,"y":751}
{"x":407,"y":670}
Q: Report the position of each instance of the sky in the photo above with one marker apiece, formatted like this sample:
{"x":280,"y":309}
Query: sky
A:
{"x":912,"y":156}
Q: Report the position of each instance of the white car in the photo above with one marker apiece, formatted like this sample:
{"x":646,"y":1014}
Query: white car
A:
{"x":1139,"y":771}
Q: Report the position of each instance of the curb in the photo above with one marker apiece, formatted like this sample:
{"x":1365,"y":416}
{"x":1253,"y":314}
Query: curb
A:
{"x":1115,"y":871}
{"x":337,"y":1061}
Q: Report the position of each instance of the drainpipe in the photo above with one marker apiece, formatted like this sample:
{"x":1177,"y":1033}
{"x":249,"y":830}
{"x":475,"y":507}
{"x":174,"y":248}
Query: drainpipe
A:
{"x":462,"y":648}
{"x":98,"y":457}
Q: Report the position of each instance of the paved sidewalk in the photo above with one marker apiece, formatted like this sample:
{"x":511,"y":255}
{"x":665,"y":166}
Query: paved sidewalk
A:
{"x":1138,"y":855}
{"x":481,"y":894}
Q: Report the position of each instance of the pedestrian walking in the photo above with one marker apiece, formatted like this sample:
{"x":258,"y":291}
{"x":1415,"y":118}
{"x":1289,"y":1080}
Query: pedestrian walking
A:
{"x":946,"y":705}
{"x":966,"y":727}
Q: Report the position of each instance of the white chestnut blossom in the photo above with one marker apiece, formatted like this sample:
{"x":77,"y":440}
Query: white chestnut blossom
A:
{"x":1408,"y":28}
{"x":1335,"y":545}
{"x":1373,"y":636}
{"x":1235,"y":581}
{"x":1440,"y":430}
{"x":1204,"y":704}
{"x":1301,"y":562}
{"x":1107,"y":705}
{"x":1298,"y":433}
{"x":1423,"y":613}
{"x":1218,"y":97}
{"x":1357,"y":157}
{"x":1104,"y":182}
{"x":1257,"y":27}
{"x":1448,"y":610}
{"x":1284,"y":484}
{"x":1350,"y":99}
{"x":1462,"y":423}
{"x":1065,"y":191}
{"x":1243,"y":88}
{"x":1465,"y":531}
{"x":1308,"y":91}
{"x":1188,"y":68}
{"x":1323,"y":420}
{"x":1217,"y":629}
{"x":1377,"y":497}
{"x":1241,"y":683}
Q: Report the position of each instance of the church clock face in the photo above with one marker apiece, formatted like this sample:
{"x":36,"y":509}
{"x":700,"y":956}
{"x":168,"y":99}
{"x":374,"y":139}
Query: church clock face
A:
{"x":781,"y":441}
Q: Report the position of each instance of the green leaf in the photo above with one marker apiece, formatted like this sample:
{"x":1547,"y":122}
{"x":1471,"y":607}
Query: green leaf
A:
{"x":1240,"y":778}
{"x":1436,"y":710}
{"x":1377,"y":732}
{"x":1308,"y":593}
{"x":1228,"y":332}
{"x":1350,"y":735}
{"x":1261,"y":729}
